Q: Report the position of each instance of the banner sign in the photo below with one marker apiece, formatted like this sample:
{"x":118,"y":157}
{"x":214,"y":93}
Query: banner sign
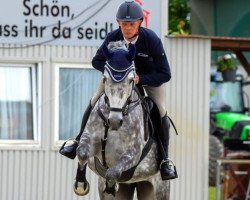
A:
{"x":64,"y":22}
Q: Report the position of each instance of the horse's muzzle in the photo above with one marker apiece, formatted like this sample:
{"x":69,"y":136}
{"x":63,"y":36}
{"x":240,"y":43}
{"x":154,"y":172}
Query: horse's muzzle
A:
{"x":115,"y":120}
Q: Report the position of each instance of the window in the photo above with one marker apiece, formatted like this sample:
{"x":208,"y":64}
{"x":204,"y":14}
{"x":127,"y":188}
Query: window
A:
{"x":76,"y":86}
{"x":18,"y":102}
{"x":226,"y":96}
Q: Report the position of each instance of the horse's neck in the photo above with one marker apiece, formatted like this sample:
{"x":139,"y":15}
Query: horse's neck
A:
{"x":135,"y":95}
{"x":138,"y":93}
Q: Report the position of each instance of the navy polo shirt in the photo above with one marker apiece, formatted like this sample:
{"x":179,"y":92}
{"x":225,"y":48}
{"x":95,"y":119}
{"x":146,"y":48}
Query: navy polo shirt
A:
{"x":150,"y":61}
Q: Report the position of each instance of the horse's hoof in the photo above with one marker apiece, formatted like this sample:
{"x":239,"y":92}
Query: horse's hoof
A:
{"x":81,"y":188}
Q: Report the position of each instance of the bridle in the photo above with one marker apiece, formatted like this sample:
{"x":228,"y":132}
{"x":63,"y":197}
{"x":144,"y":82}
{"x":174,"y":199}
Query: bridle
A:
{"x":126,"y":107}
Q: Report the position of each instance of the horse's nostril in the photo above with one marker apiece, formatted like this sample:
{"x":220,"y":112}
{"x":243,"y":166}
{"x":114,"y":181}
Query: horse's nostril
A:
{"x":121,"y":121}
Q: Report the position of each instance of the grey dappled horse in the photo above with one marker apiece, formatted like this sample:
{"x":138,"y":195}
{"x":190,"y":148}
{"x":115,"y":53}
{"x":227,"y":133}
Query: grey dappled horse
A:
{"x":116,"y":134}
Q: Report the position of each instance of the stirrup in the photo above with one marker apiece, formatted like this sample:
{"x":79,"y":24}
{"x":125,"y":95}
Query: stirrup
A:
{"x":166,"y":160}
{"x":69,"y":150}
{"x":172,"y":173}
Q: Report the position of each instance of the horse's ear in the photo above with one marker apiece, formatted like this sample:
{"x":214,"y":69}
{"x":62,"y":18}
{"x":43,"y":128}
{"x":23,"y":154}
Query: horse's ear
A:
{"x":131,"y":52}
{"x":107,"y":53}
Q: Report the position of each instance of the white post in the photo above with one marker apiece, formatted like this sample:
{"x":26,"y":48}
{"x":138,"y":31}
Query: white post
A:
{"x":164,"y":18}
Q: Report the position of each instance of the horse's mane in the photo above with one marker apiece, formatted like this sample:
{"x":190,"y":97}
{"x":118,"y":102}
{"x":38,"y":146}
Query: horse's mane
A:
{"x":114,"y":45}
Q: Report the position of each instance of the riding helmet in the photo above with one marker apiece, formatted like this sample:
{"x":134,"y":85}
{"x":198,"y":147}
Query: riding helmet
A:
{"x":129,"y":11}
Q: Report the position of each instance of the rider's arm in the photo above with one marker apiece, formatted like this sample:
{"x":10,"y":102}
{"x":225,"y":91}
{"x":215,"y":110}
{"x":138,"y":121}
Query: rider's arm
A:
{"x":99,"y":60}
{"x":162,"y":72}
{"x":153,"y":68}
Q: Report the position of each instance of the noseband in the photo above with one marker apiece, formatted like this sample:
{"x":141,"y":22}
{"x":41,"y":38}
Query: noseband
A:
{"x":126,"y":108}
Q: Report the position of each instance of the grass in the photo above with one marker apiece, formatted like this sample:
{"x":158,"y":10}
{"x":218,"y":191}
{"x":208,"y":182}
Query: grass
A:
{"x":211,"y":193}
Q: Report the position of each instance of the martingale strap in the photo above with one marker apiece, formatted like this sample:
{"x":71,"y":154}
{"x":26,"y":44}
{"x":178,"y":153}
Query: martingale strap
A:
{"x":128,"y":174}
{"x":104,"y":140}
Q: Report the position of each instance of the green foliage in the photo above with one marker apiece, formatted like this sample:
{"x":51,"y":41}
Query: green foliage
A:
{"x":179,"y":17}
{"x":212,"y":193}
{"x":226,"y":62}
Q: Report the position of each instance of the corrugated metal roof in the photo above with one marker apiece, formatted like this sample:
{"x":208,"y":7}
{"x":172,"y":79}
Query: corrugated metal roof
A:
{"x":224,"y":43}
{"x":235,"y":44}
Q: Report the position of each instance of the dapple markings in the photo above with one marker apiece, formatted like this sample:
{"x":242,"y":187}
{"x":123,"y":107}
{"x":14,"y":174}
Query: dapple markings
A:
{"x":126,"y":134}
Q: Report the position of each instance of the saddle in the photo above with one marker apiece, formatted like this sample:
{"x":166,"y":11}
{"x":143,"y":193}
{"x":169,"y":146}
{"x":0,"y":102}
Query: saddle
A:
{"x":152,"y":115}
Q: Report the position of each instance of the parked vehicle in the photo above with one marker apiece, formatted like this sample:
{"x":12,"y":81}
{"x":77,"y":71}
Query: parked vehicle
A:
{"x":229,"y":121}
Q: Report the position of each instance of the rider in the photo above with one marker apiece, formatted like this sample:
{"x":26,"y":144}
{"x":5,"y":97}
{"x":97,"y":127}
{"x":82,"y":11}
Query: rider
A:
{"x":152,"y":72}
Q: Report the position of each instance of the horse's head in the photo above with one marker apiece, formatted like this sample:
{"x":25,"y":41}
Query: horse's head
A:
{"x":119,"y":82}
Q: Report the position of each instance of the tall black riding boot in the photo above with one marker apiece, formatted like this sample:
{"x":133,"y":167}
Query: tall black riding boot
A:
{"x":168,"y":170}
{"x":70,"y":150}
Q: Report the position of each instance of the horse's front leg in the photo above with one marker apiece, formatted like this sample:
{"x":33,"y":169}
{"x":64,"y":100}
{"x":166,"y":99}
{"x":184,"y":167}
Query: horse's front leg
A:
{"x":81,"y":186}
{"x":128,"y":159}
{"x":83,"y":149}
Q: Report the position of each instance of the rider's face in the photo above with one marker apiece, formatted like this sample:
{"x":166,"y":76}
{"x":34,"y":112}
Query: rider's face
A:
{"x":130,"y":29}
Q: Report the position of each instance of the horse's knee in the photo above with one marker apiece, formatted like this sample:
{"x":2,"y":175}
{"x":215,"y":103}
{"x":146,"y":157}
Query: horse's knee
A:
{"x":82,"y":152}
{"x":83,"y":156}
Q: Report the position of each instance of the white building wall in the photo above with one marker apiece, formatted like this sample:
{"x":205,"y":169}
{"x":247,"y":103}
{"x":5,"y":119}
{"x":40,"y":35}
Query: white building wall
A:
{"x":188,"y":106}
{"x":41,"y":173}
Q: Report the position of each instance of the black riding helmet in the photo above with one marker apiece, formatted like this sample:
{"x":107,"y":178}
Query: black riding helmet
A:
{"x":129,"y":11}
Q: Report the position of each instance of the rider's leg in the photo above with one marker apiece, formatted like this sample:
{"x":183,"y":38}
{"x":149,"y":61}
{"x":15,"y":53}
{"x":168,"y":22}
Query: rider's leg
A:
{"x":167,"y":172}
{"x":158,"y":95}
{"x":71,"y":149}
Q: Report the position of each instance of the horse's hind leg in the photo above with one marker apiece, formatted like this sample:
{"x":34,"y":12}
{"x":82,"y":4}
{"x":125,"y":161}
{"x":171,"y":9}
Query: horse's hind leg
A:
{"x":125,"y":192}
{"x":145,"y":191}
{"x":162,"y":190}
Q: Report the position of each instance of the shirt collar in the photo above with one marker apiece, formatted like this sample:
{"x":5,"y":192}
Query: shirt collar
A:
{"x":133,"y":42}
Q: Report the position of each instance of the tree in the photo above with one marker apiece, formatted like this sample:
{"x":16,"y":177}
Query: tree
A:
{"x":179,"y":17}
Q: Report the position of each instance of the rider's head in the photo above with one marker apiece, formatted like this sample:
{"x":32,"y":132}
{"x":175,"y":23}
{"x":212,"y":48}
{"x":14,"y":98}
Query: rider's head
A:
{"x":129,"y":17}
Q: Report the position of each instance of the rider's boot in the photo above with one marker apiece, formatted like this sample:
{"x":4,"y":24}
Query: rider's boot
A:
{"x":70,"y":150}
{"x":167,"y":168}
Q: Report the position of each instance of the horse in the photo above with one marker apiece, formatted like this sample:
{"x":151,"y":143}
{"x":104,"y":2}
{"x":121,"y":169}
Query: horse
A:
{"x":116,"y":143}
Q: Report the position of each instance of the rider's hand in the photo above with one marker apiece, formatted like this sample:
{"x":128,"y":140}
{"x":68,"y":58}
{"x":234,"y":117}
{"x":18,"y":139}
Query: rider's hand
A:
{"x":137,"y":79}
